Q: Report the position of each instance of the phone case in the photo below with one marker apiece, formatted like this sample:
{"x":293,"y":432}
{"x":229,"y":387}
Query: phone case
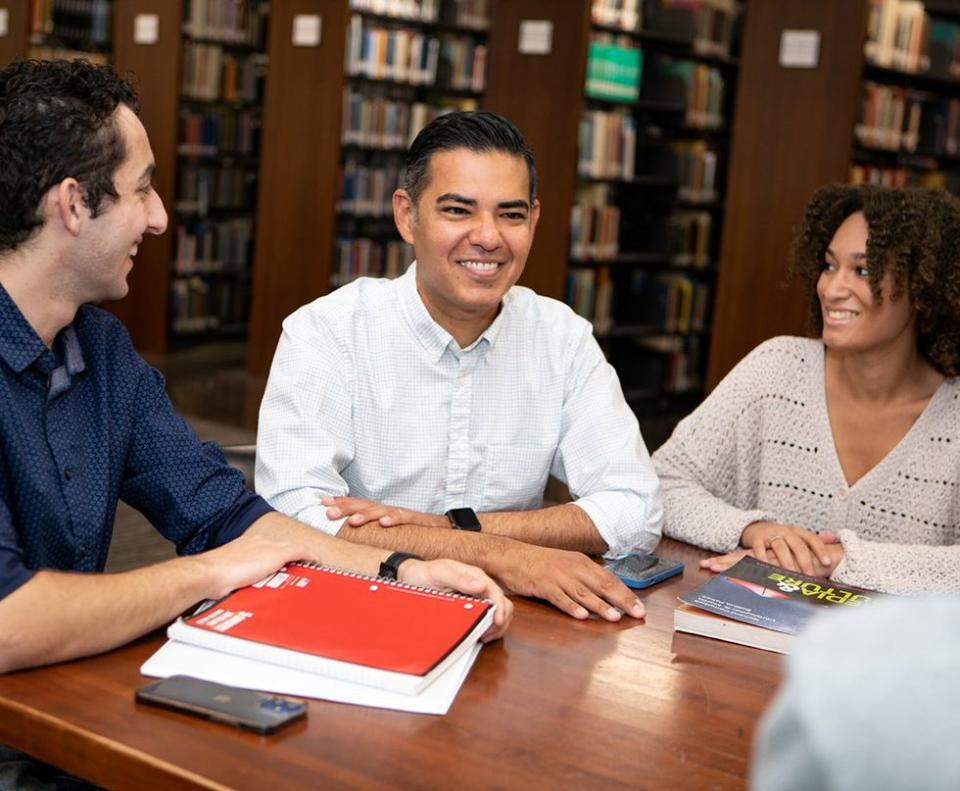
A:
{"x":244,"y":708}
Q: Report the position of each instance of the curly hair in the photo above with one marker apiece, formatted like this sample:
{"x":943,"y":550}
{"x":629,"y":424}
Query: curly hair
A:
{"x":914,"y":234}
{"x":57,"y":121}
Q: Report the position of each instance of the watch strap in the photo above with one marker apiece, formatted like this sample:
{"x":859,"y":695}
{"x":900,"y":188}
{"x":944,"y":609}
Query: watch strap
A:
{"x":390,"y":568}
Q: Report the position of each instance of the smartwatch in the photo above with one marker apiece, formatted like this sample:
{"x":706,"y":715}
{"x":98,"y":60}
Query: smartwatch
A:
{"x":464,"y":519}
{"x":391,"y":566}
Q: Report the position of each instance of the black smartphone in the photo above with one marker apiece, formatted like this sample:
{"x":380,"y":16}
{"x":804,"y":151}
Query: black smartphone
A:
{"x":642,"y":571}
{"x":244,"y":708}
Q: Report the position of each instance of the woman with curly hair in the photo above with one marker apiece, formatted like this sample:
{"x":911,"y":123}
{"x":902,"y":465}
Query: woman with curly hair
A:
{"x":839,"y":456}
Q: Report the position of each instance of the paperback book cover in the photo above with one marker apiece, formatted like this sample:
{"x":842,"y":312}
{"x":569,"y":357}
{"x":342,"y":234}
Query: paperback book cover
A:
{"x":361,"y":629}
{"x":757,"y":604}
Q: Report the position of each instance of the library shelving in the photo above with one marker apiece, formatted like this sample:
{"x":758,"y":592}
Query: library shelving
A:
{"x":632,"y":174}
{"x":221,"y":93}
{"x":880,"y":107}
{"x":334,"y":144}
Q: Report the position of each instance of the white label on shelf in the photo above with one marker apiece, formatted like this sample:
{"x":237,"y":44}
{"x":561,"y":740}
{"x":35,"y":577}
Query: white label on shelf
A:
{"x":799,"y":49}
{"x":306,"y":30}
{"x":146,"y":29}
{"x":536,"y":37}
{"x":4,"y":22}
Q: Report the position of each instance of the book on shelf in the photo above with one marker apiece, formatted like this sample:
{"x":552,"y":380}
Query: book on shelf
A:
{"x":365,"y":630}
{"x":761,"y":605}
{"x":613,"y":71}
{"x":623,"y":14}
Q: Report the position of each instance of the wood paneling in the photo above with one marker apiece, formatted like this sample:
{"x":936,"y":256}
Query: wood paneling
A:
{"x":543,"y":96}
{"x":14,"y":43}
{"x":793,"y":132}
{"x":155,"y":71}
{"x":299,"y":160}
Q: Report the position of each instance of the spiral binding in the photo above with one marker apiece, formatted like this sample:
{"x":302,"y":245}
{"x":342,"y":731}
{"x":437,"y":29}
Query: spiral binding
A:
{"x":384,"y":581}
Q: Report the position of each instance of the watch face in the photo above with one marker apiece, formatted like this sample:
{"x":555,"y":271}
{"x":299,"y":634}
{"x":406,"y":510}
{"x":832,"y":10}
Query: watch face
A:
{"x":464,"y":518}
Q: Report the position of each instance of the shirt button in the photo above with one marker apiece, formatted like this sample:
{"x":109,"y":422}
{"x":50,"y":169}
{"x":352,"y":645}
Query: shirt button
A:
{"x":68,"y":472}
{"x":842,"y":494}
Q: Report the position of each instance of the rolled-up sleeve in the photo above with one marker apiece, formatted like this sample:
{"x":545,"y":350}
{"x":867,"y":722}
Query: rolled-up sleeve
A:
{"x":13,"y":570}
{"x":602,"y":457}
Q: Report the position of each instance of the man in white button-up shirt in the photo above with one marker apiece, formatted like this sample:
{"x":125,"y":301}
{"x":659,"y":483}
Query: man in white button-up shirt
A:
{"x":390,"y":403}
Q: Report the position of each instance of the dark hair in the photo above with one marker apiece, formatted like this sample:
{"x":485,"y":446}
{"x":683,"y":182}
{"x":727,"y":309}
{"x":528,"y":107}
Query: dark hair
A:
{"x":477,"y":131}
{"x":914,"y":234}
{"x":56,"y":121}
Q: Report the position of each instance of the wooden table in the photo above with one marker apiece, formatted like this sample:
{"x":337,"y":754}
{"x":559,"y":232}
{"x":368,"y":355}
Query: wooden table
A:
{"x":557,"y":704}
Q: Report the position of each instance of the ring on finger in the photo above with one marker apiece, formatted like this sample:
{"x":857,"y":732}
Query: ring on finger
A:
{"x":774,"y":538}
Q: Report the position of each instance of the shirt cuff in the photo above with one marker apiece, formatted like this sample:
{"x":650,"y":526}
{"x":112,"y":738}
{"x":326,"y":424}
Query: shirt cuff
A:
{"x":14,"y":573}
{"x":248,"y":508}
{"x":604,"y":516}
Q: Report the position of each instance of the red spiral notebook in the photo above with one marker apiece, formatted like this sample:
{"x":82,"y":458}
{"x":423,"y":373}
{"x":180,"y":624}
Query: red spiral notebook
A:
{"x":366,"y":630}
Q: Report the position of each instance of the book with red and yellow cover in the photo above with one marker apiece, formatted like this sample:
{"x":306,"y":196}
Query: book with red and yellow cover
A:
{"x":366,"y":630}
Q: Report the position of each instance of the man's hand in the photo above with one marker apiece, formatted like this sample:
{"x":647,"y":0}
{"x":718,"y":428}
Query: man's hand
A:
{"x":360,"y":512}
{"x":788,"y":546}
{"x":248,"y":558}
{"x":455,"y":576}
{"x":834,"y":554}
{"x":568,"y":580}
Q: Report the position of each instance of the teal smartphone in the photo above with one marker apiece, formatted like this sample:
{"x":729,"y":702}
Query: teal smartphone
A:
{"x":642,"y":571}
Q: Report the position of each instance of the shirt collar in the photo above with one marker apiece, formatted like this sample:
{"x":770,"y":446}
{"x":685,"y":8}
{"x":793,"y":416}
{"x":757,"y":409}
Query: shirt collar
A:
{"x":434,"y":338}
{"x":20,"y":346}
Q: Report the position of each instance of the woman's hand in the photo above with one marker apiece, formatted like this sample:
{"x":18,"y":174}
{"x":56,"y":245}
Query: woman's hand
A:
{"x":790,"y":546}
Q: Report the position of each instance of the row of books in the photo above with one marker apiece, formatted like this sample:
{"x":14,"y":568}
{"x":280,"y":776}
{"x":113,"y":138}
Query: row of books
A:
{"x":624,"y":14}
{"x":670,"y":364}
{"x":219,"y":130}
{"x":890,"y":118}
{"x":72,"y":20}
{"x":672,"y":301}
{"x":384,"y":53}
{"x":590,"y":293}
{"x":227,"y":186}
{"x":607,"y":145}
{"x":419,"y":10}
{"x":211,"y":74}
{"x":463,"y":63}
{"x":690,"y":238}
{"x":366,"y":189}
{"x":902,"y":35}
{"x":713,"y":23}
{"x":705,"y":88}
{"x":902,"y":176}
{"x":474,"y":14}
{"x":378,"y":121}
{"x":899,"y":119}
{"x":613,"y":71}
{"x":197,"y":304}
{"x":361,"y":257}
{"x":696,"y":171}
{"x":205,"y":246}
{"x":227,"y":21}
{"x":594,"y":224}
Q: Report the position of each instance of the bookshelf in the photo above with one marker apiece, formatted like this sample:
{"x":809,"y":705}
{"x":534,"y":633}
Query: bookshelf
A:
{"x":16,"y":26}
{"x":886,"y":99}
{"x":633,"y":174}
{"x":333,"y":144}
{"x":219,"y":120}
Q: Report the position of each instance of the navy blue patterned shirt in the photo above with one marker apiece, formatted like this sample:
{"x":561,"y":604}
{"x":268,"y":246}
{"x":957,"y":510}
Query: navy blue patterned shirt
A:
{"x":88,"y":423}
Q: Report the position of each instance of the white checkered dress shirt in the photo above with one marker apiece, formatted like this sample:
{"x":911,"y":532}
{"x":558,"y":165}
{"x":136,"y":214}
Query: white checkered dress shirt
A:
{"x":369,"y":396}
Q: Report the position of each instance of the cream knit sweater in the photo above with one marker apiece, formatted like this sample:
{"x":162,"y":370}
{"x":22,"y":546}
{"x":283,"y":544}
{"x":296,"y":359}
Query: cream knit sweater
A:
{"x":760,"y":448}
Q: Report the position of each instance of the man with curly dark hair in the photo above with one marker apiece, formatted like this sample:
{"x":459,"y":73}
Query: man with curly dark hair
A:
{"x":855,"y":434}
{"x":84,"y":421}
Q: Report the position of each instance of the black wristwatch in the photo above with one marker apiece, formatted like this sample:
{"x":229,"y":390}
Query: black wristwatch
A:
{"x":390,"y":568}
{"x":464,"y":519}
